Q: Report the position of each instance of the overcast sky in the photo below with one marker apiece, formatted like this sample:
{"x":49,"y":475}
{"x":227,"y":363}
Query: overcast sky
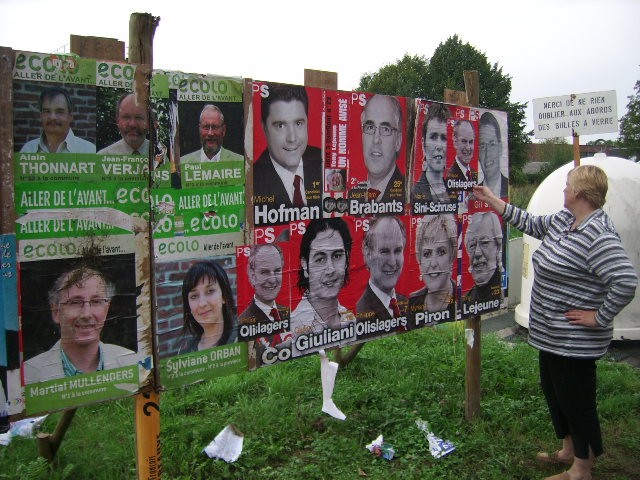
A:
{"x":548,"y":47}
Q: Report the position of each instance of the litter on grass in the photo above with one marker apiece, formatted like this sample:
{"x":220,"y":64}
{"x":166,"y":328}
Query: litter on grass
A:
{"x":328,"y":372}
{"x":22,"y":428}
{"x":227,"y":445}
{"x":438,"y":447}
{"x":381,"y":449}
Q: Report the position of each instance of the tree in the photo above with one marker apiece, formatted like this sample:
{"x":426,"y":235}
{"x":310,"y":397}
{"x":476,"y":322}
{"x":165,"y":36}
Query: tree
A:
{"x":630,"y":125}
{"x":416,"y":76}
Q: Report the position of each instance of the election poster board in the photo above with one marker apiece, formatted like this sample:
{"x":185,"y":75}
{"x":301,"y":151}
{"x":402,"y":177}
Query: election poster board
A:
{"x":199,"y":221}
{"x":363,"y":224}
{"x":82,"y":207}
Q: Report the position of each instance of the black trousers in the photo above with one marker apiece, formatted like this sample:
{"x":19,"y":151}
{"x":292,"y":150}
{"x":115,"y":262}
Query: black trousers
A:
{"x":569,"y":385}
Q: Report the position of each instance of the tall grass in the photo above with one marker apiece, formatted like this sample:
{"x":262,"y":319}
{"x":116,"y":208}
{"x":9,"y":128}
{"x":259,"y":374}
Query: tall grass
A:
{"x":384,"y":390}
{"x":519,"y":195}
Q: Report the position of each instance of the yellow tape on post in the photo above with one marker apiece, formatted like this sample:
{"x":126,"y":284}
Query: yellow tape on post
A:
{"x":148,"y":451}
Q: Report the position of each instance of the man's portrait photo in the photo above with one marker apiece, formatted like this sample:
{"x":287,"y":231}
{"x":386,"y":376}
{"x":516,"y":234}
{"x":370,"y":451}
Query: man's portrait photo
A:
{"x":289,"y":171}
{"x":132,"y":121}
{"x":382,"y":133}
{"x":264,"y":319}
{"x":78,"y":317}
{"x":51,"y":129}
{"x":490,"y":158}
{"x":383,"y":250}
{"x":461,"y":175}
{"x":212,"y":130}
{"x":483,"y":244}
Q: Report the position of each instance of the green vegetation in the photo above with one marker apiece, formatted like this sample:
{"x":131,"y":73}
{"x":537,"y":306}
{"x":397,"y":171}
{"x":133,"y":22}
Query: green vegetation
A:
{"x":630,"y":126}
{"x":519,"y":195}
{"x":384,"y":390}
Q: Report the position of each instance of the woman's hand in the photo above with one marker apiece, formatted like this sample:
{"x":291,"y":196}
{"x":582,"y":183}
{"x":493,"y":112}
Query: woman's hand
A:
{"x":484,"y":194}
{"x":586,"y":318}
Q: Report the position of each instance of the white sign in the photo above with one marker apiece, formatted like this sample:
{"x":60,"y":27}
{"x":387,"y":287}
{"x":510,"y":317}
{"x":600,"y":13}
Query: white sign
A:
{"x":577,"y":114}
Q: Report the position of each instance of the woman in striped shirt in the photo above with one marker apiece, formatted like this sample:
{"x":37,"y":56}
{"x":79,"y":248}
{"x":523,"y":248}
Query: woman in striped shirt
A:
{"x":583,"y":279}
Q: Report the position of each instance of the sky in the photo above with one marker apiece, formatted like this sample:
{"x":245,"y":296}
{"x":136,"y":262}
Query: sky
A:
{"x":548,"y":47}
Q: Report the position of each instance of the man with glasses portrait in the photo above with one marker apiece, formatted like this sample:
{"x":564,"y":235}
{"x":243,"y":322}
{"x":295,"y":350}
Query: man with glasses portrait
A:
{"x":79,"y":301}
{"x":483,"y":242}
{"x":212,"y":130}
{"x":382,"y":129}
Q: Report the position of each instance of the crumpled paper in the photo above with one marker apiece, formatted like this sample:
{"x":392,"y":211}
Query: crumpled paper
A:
{"x":328,"y":372}
{"x":227,"y":445}
{"x":469,"y":336}
{"x":381,"y":449}
{"x":438,"y":447}
{"x":22,"y":428}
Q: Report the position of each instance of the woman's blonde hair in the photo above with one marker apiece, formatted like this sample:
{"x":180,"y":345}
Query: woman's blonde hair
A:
{"x":437,"y":228}
{"x":589,"y":182}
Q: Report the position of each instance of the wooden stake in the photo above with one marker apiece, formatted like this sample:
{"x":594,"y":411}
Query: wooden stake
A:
{"x":148,"y":449}
{"x":142,"y":28}
{"x":48,"y":444}
{"x":7,"y":210}
{"x":329,"y":80}
{"x":576,"y":150}
{"x":472,"y":327}
{"x":472,"y":87}
{"x":320,"y":79}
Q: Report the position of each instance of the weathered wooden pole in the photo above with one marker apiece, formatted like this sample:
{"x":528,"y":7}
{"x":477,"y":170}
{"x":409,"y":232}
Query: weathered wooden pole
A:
{"x":142,"y":28}
{"x":329,"y":81}
{"x":473,"y":332}
{"x":473,"y":326}
{"x":7,"y":210}
{"x":48,"y":444}
{"x":576,"y":149}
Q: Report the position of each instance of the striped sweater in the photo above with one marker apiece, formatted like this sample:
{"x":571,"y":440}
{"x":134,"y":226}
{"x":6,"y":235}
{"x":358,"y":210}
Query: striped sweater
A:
{"x":586,"y":269}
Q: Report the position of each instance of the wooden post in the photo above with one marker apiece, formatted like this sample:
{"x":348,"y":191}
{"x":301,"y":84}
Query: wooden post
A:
{"x":247,"y":110}
{"x":320,"y":79}
{"x":98,"y":47}
{"x":148,"y":449}
{"x":472,"y":87}
{"x":471,"y":98}
{"x":142,"y":28}
{"x":473,"y":364}
{"x":576,"y":150}
{"x":329,"y":81}
{"x":7,"y":210}
{"x":48,"y":444}
{"x":455,"y":97}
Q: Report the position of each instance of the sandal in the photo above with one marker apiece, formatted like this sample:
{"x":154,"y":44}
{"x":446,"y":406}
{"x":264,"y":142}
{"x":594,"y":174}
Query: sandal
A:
{"x":553,"y":458}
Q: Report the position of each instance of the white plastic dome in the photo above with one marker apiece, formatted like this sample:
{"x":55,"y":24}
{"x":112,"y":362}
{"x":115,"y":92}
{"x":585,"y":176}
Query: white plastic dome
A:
{"x":622,"y":205}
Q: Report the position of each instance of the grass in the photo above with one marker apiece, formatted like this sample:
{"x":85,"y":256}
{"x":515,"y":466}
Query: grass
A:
{"x":519,"y":195}
{"x":390,"y":384}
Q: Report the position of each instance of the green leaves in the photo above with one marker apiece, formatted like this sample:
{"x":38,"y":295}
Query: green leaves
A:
{"x":630,"y":125}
